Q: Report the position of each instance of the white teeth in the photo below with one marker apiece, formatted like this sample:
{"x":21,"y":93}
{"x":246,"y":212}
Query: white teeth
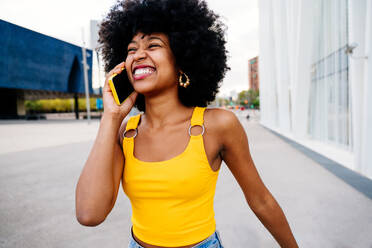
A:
{"x":146,"y":70}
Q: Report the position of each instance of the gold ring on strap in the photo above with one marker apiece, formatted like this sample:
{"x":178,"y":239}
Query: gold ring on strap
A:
{"x":130,"y":130}
{"x":202,"y":126}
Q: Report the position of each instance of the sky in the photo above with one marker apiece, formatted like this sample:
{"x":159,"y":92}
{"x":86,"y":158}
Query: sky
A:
{"x":65,"y":20}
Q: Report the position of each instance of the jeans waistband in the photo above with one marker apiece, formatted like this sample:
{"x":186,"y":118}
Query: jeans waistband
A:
{"x":211,"y":241}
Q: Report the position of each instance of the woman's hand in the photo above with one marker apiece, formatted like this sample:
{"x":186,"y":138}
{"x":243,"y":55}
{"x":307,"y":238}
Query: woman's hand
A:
{"x":109,"y":105}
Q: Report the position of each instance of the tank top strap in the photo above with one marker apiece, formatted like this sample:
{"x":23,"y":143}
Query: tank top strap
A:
{"x":197,"y":118}
{"x":133,"y":122}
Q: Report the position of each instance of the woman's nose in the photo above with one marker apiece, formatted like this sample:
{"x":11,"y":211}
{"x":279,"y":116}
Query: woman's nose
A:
{"x":140,"y":54}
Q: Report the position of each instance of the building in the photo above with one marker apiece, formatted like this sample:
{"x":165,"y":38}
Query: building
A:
{"x":254,"y":82}
{"x":34,"y":66}
{"x":316,"y":76}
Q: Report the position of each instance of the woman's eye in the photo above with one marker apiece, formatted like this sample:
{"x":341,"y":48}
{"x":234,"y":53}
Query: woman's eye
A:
{"x":153,"y":45}
{"x":131,"y":50}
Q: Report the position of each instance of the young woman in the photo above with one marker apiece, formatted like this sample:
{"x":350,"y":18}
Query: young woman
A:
{"x":168,"y":157}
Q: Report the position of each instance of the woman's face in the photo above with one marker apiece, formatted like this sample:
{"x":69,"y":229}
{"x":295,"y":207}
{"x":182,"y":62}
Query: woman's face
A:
{"x":150,"y":63}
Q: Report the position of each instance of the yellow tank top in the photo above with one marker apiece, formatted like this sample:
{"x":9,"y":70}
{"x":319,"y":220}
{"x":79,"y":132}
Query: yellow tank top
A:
{"x":172,"y":200}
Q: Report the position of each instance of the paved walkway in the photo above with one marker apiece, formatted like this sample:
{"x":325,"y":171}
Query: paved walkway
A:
{"x":40,"y":162}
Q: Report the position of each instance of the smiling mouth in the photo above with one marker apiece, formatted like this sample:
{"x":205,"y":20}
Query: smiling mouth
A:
{"x":141,"y":73}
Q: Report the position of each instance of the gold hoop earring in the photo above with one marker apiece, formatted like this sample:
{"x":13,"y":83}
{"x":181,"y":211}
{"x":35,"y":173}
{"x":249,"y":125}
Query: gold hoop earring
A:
{"x":182,"y":83}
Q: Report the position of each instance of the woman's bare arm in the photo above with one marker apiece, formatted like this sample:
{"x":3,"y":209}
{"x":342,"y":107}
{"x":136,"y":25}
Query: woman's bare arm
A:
{"x":99,"y":182}
{"x":237,"y":156}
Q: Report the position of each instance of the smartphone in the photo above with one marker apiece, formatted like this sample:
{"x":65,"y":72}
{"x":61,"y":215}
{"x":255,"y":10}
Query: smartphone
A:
{"x":120,"y":86}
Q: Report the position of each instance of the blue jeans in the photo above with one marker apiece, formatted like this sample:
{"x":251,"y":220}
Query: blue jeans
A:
{"x":212,"y":241}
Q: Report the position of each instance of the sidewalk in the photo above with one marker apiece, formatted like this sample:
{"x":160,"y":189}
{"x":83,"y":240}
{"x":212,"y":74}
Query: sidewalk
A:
{"x":322,"y":209}
{"x":40,"y":162}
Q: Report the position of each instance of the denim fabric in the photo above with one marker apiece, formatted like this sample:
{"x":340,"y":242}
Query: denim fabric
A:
{"x":212,"y":241}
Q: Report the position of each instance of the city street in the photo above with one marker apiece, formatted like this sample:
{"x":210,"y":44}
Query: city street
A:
{"x":40,"y":162}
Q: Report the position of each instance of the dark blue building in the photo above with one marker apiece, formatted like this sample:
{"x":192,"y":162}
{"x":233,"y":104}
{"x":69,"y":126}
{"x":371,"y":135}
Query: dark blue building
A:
{"x":33,"y":65}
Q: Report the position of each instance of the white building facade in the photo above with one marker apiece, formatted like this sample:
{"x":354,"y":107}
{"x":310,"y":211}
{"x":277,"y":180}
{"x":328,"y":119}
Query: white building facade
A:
{"x":316,"y":76}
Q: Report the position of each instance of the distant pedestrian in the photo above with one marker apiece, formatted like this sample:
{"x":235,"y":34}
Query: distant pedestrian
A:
{"x":168,"y":158}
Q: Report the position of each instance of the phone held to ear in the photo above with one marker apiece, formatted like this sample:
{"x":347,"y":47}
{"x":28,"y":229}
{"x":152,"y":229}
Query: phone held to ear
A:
{"x":120,"y":86}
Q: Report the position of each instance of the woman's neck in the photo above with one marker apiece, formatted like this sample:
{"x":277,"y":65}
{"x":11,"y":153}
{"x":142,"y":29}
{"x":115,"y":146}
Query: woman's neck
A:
{"x":164,"y":109}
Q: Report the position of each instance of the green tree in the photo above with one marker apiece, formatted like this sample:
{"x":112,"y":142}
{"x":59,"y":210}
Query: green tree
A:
{"x":33,"y":106}
{"x":254,"y":98}
{"x":57,"y":105}
{"x":249,"y":97}
{"x":243,"y":97}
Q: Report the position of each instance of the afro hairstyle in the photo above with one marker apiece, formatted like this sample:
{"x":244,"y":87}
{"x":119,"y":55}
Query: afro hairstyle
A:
{"x":196,"y":36}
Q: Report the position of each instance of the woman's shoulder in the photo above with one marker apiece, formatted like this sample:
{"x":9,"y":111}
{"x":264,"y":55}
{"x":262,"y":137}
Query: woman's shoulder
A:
{"x":220,"y":119}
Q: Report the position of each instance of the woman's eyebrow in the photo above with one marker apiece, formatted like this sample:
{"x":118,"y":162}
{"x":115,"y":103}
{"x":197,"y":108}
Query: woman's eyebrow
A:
{"x":132,"y":42}
{"x":155,"y":38}
{"x":149,"y":39}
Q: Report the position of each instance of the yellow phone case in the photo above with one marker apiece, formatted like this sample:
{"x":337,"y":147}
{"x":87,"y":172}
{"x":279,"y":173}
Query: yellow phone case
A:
{"x":113,"y":90}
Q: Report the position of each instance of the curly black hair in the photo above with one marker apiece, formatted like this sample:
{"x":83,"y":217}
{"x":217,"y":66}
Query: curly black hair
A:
{"x":196,"y":37}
